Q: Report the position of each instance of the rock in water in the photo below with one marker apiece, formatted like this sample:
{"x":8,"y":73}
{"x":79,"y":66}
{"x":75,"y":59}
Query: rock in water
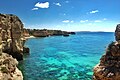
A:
{"x":109,"y":66}
{"x":12,"y":35}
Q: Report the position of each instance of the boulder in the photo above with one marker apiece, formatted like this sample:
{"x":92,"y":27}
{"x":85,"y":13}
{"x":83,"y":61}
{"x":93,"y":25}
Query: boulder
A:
{"x":8,"y":68}
{"x":26,"y":50}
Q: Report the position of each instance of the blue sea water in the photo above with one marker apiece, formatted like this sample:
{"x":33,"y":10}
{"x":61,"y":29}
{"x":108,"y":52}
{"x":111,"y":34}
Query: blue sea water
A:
{"x":64,"y":58}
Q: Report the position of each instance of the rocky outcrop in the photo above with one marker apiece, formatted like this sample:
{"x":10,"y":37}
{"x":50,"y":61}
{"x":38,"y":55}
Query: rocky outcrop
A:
{"x":12,"y":39}
{"x":8,"y":65}
{"x":117,"y":33}
{"x":46,"y":33}
{"x":26,"y":33}
{"x":12,"y":35}
{"x":8,"y":68}
{"x":40,"y":33}
{"x":109,"y":66}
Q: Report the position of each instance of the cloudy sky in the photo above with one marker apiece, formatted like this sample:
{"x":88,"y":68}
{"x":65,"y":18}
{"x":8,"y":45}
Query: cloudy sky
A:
{"x":70,"y":15}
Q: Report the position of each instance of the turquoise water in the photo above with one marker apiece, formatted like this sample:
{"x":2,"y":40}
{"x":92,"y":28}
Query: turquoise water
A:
{"x":64,"y":58}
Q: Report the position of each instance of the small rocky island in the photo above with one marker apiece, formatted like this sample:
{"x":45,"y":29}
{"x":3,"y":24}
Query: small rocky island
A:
{"x":109,"y":66}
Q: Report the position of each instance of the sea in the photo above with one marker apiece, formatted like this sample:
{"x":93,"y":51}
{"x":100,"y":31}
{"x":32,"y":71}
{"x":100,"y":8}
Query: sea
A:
{"x":64,"y":58}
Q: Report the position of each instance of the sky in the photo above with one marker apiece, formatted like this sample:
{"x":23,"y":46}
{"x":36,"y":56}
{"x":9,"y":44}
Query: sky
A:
{"x":68,"y":15}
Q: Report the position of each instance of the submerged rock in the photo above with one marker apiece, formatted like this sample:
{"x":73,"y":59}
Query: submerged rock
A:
{"x":109,"y":66}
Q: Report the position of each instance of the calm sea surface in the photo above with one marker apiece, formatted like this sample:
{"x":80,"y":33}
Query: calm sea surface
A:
{"x":64,"y":58}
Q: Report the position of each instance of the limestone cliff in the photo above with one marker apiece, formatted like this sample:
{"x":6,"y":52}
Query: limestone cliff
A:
{"x":46,"y":33}
{"x":26,"y":33}
{"x":12,"y":39}
{"x":8,"y":69}
{"x":12,"y":35}
{"x":109,"y":66}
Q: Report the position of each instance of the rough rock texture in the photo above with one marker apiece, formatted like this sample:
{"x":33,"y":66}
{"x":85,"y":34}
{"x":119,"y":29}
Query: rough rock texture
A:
{"x":12,"y":35}
{"x":12,"y":39}
{"x":8,"y":69}
{"x":40,"y":33}
{"x":26,"y":33}
{"x":109,"y":66}
{"x":0,"y":41}
{"x":46,"y":33}
{"x":117,"y":33}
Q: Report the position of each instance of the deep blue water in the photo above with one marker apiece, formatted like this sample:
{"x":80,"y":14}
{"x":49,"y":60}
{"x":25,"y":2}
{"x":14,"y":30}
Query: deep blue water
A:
{"x":64,"y":58}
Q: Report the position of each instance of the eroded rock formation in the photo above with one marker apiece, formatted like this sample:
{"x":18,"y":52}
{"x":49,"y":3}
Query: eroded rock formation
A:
{"x":12,"y":35}
{"x":109,"y":66}
{"x":8,"y":69}
{"x":26,"y":33}
{"x":46,"y":33}
{"x":12,"y":39}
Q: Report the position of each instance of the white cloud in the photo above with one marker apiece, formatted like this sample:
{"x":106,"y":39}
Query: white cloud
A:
{"x":95,"y":11}
{"x":57,"y":4}
{"x":35,"y":9}
{"x":68,"y":21}
{"x":82,"y":21}
{"x":97,"y":21}
{"x":66,"y":1}
{"x":105,"y":19}
{"x":42,"y":5}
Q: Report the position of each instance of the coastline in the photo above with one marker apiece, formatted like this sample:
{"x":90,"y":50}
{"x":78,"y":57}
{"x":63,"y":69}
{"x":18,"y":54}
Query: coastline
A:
{"x":12,"y":49}
{"x":30,"y":37}
{"x":12,"y":39}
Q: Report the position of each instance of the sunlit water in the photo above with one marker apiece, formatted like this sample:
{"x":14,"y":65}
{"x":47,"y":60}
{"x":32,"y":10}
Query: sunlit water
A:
{"x":64,"y":58}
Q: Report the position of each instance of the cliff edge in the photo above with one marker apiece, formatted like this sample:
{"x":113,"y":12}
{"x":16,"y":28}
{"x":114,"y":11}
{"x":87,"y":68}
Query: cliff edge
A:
{"x":109,"y":66}
{"x":12,"y":35}
{"x":11,"y":47}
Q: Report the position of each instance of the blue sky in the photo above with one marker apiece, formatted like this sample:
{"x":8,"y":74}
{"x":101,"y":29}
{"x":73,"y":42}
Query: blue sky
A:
{"x":70,"y":15}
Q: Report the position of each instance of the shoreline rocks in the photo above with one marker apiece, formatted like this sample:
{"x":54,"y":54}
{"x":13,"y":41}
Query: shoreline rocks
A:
{"x":46,"y":33}
{"x":109,"y":66}
{"x":12,"y":40}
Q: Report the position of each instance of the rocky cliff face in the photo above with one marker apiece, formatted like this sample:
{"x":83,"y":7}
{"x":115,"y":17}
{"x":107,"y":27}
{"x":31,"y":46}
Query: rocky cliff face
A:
{"x":26,"y":33}
{"x":12,"y":35}
{"x":8,"y":69}
{"x":109,"y":66}
{"x":46,"y":33}
{"x":11,"y":45}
